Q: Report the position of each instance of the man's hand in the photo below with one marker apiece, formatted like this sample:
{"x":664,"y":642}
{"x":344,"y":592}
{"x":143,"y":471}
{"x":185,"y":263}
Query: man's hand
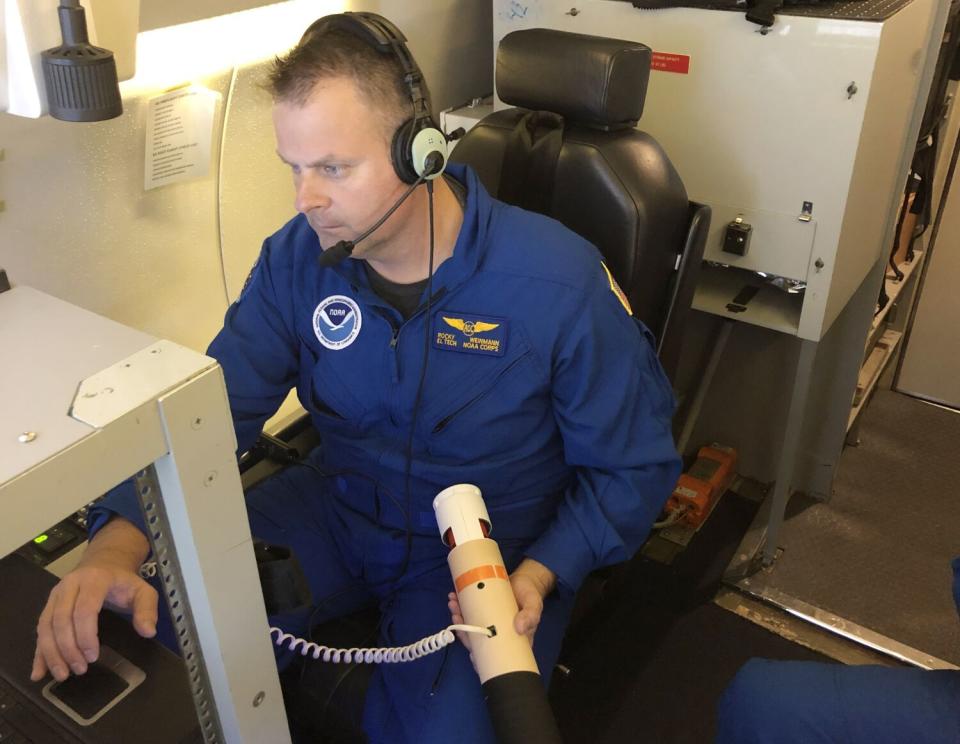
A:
{"x":67,"y":637}
{"x":531,"y":583}
{"x":67,"y":631}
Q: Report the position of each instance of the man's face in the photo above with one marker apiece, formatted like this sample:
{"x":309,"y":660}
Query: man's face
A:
{"x":336,"y":148}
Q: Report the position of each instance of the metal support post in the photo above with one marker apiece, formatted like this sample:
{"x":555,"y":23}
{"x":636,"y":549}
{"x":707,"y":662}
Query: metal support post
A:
{"x":788,"y":451}
{"x":204,"y":536}
{"x":703,"y":386}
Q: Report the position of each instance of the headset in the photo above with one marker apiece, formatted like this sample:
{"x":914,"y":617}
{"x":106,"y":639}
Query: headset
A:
{"x":418,"y":150}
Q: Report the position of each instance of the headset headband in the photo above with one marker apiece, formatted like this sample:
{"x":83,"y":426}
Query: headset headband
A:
{"x":386,"y":38}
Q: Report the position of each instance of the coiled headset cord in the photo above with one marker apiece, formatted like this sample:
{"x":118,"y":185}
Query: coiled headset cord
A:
{"x":410,"y":652}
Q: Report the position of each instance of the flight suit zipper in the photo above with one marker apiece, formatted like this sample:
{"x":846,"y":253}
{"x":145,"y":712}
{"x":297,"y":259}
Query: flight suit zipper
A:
{"x":444,"y":422}
{"x":395,"y":338}
{"x":392,"y":345}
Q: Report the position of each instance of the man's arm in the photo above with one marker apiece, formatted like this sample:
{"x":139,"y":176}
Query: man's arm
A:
{"x":67,"y":637}
{"x":257,"y":350}
{"x":613,"y":405}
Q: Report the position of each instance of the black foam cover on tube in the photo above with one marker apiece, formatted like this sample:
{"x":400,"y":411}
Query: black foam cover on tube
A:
{"x":518,"y":707}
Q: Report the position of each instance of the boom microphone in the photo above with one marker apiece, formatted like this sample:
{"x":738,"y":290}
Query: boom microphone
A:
{"x":342,"y":249}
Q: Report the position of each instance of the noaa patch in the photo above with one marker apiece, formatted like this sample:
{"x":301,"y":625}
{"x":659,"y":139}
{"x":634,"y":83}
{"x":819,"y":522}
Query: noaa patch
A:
{"x":336,"y":321}
{"x":471,"y":333}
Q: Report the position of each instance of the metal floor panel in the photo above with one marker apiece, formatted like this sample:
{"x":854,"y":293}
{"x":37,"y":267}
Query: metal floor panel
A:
{"x":878,"y":554}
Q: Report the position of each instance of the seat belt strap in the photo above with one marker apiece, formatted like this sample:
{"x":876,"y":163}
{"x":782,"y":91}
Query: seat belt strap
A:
{"x":530,"y":161}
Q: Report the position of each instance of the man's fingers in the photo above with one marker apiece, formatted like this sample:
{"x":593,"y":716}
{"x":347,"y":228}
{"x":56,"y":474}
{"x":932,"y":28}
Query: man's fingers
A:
{"x":64,"y":634}
{"x":145,"y":610}
{"x":86,"y":615}
{"x":531,"y":607}
{"x":39,"y":670}
{"x":47,"y":647}
{"x":526,"y":622}
{"x":453,"y":604}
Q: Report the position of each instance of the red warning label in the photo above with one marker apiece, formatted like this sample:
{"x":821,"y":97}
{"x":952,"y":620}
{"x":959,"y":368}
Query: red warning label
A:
{"x":670,"y":62}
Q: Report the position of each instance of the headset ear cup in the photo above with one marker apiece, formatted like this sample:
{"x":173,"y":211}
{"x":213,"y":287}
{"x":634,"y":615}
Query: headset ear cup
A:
{"x":428,"y":142}
{"x":400,"y":152}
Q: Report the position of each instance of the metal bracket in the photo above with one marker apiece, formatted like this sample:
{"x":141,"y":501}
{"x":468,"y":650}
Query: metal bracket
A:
{"x":175,"y":595}
{"x":276,"y":449}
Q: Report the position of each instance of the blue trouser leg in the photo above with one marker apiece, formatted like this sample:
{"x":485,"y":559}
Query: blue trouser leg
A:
{"x":292,"y":508}
{"x":800,"y":702}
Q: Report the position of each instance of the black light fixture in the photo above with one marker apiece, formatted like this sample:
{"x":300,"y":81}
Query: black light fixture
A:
{"x":81,"y":79}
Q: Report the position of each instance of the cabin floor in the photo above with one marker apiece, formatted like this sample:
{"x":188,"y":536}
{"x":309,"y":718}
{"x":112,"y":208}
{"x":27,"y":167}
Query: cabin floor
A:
{"x":650,"y":660}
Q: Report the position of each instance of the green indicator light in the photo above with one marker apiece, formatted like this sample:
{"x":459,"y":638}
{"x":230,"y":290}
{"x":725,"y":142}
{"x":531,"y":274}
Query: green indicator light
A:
{"x":42,"y":538}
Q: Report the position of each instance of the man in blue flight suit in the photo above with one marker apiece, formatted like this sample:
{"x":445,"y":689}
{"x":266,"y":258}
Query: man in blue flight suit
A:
{"x":802,"y":702}
{"x":518,"y":368}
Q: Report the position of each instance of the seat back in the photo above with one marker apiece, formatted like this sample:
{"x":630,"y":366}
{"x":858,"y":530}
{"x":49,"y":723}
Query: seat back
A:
{"x":569,"y":149}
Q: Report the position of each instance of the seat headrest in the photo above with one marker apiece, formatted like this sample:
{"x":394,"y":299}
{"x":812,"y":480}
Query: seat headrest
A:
{"x":590,"y":80}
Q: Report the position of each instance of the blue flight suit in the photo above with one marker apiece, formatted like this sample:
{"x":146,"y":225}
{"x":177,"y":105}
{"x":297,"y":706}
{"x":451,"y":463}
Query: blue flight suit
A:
{"x":802,"y":702}
{"x":540,"y":389}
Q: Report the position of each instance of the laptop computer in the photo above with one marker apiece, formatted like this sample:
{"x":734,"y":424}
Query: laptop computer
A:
{"x":137,"y":691}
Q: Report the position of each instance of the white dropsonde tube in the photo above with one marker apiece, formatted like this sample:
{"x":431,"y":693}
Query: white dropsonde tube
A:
{"x":515,"y":694}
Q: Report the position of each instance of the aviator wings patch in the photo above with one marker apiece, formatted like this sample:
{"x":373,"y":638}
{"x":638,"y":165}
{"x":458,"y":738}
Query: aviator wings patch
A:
{"x":471,"y":333}
{"x":469,"y":327}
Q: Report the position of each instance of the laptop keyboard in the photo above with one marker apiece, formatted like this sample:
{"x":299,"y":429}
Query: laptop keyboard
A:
{"x":22,"y":723}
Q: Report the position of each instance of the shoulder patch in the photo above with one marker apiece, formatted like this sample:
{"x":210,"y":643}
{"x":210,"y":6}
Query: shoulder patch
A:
{"x":246,"y":282}
{"x":615,"y":288}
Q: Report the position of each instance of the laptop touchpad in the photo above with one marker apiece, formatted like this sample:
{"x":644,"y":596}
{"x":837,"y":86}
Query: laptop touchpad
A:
{"x":87,"y":697}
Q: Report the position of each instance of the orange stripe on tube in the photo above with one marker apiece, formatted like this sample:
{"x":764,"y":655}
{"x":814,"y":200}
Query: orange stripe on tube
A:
{"x":479,"y":574}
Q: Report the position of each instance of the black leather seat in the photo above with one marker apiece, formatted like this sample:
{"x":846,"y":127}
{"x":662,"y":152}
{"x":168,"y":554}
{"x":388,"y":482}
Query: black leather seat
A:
{"x":569,"y":149}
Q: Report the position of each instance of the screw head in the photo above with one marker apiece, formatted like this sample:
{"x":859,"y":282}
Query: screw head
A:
{"x":259,"y":698}
{"x":27,"y":437}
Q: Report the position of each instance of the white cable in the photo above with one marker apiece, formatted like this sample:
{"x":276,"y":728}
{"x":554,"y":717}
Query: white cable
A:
{"x":675,"y":516}
{"x":148,"y":570}
{"x":423,"y":647}
{"x":411,"y":652}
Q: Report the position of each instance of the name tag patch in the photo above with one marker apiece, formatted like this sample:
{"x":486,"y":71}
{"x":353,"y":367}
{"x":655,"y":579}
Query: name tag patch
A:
{"x":474,"y":334}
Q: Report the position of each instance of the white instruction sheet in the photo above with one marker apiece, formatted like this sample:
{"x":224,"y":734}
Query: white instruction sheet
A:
{"x":179,"y":136}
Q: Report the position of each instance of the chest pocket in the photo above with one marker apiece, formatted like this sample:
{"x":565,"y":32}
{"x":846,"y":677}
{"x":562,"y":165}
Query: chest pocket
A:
{"x":486,"y":399}
{"x":334,"y":409}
